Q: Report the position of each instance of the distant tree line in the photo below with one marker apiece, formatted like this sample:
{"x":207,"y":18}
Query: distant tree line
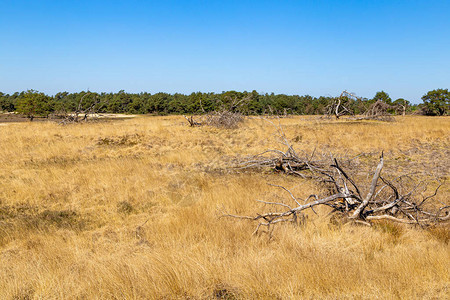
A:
{"x":33,"y":103}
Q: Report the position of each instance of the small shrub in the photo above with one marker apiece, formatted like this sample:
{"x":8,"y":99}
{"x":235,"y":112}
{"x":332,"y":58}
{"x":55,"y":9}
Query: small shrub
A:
{"x":25,"y":293}
{"x":392,"y":229}
{"x":60,"y":219}
{"x":125,"y":140}
{"x":440,"y":233}
{"x":124,"y":207}
{"x":225,"y":293}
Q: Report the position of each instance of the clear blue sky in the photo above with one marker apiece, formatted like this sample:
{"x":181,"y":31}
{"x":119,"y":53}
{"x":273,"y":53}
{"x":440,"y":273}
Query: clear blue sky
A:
{"x":292,"y":47}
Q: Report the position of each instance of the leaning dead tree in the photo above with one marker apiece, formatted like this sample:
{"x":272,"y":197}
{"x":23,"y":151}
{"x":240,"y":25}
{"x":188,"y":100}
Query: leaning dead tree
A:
{"x":339,"y":106}
{"x":83,"y":111}
{"x":221,"y":119}
{"x":383,"y":200}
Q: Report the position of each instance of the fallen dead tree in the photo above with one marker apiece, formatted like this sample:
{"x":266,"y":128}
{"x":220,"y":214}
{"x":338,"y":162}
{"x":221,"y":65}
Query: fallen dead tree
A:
{"x":229,"y":115}
{"x":288,"y":161}
{"x":220,"y":119}
{"x":340,"y":105}
{"x":357,"y":201}
{"x":383,"y":200}
{"x":224,"y":119}
{"x":379,"y":111}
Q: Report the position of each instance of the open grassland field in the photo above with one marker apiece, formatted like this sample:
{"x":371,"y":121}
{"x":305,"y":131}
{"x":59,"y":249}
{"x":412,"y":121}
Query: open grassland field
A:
{"x":129,"y":209}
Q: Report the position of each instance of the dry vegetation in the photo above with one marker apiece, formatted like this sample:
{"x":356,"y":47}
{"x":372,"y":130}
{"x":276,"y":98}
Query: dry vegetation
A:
{"x":130,"y":209}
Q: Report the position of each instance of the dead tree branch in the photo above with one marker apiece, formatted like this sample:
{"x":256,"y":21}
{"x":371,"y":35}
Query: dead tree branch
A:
{"x":288,"y":161}
{"x":381,"y":202}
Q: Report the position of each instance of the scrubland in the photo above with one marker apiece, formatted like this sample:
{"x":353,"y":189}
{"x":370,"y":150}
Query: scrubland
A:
{"x":129,"y":209}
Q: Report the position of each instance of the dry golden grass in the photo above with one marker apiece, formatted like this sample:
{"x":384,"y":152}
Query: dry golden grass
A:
{"x":129,"y":210}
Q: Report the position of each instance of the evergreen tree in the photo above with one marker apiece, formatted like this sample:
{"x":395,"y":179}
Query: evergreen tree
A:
{"x":32,"y":104}
{"x":436,"y":102}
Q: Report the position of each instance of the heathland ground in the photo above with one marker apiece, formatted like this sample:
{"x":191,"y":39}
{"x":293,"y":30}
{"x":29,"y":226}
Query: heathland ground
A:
{"x":129,"y":209}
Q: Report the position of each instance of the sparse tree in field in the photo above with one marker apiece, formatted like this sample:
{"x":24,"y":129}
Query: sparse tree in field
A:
{"x":436,"y":102}
{"x":33,"y":103}
{"x":382,"y":96}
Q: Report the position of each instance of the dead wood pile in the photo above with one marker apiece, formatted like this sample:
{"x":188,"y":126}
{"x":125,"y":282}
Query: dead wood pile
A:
{"x":221,"y":119}
{"x":229,"y":115}
{"x":224,"y":119}
{"x":351,"y":198}
{"x":379,"y":111}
